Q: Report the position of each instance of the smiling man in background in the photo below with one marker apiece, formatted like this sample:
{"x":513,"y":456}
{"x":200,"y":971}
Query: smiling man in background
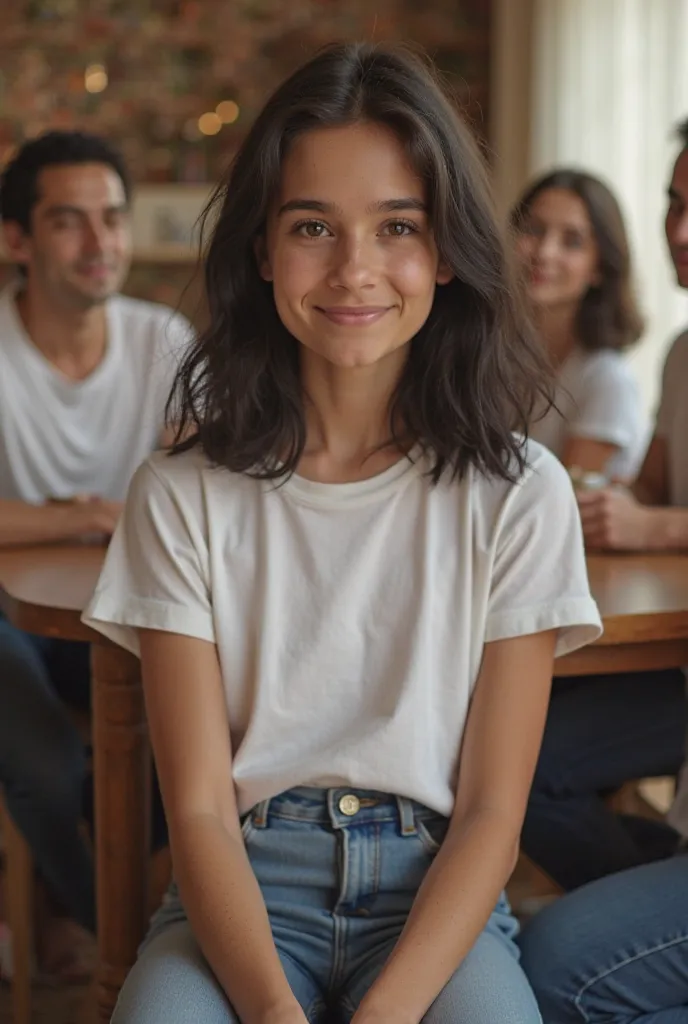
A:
{"x":84,"y":377}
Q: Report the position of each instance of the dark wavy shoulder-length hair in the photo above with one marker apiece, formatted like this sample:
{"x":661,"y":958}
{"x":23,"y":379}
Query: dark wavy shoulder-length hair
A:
{"x":608,"y":316}
{"x":474,"y":372}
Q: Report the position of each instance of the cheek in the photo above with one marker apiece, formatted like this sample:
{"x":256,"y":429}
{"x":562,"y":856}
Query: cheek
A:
{"x":295,"y":272}
{"x":413,"y":274}
{"x":525,"y":248}
{"x":577,"y":270}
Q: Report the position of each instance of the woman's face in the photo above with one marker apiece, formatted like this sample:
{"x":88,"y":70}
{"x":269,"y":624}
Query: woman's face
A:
{"x":558,"y":248}
{"x":349,"y":249}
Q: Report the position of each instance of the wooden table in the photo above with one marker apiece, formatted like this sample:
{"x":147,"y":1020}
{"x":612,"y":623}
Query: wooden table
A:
{"x":643,"y":600}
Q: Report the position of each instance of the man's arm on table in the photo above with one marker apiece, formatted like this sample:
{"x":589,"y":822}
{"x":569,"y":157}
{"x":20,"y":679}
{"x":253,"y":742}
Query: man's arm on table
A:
{"x":23,"y":523}
{"x":640,"y":518}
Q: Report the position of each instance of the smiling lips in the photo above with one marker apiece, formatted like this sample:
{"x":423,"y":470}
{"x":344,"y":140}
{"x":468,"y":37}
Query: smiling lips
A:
{"x":353,"y":316}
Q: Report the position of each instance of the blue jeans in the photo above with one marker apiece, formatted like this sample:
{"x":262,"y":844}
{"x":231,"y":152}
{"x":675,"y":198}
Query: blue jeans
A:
{"x":603,"y":731}
{"x":43,"y":763}
{"x":338,"y":889}
{"x":615,"y":951}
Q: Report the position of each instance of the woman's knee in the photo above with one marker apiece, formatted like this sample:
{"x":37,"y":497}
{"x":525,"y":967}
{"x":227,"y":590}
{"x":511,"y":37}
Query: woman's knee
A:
{"x":172,"y":983}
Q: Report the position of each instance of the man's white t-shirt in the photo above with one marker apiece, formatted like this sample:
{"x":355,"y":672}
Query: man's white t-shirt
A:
{"x":60,"y":437}
{"x":672,"y":419}
{"x":349,"y":619}
{"x":597,"y":398}
{"x":672,"y":426}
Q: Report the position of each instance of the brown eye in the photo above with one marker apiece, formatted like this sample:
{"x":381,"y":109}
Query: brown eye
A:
{"x":400,"y":228}
{"x":311,"y":229}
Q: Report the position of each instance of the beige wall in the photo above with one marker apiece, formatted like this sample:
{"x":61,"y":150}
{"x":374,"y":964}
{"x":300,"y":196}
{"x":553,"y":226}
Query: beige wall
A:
{"x":510,"y":92}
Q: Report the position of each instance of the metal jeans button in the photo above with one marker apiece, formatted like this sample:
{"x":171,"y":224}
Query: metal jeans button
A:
{"x":349,"y":804}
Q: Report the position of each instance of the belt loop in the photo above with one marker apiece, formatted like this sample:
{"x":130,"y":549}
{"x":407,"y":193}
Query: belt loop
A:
{"x":406,"y":816}
{"x":260,"y":814}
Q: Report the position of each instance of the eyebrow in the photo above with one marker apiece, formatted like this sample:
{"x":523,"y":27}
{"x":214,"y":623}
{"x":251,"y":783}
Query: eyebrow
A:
{"x":384,"y":206}
{"x":60,"y":209}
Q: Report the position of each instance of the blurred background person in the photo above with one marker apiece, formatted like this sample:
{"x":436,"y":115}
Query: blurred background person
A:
{"x":606,"y":730}
{"x":572,"y":243}
{"x":84,"y":378}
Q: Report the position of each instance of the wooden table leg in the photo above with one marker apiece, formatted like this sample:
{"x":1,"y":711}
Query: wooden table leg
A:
{"x":122,"y":817}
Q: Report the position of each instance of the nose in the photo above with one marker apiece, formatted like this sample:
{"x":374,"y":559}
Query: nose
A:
{"x":95,"y":238}
{"x":547,"y":246}
{"x":353,"y":266}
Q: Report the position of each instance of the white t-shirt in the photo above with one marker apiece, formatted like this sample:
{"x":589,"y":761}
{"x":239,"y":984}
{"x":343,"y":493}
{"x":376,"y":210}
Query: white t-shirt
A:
{"x":60,"y":437}
{"x":672,"y":419}
{"x":672,"y":426}
{"x":349,"y":618}
{"x":597,"y":397}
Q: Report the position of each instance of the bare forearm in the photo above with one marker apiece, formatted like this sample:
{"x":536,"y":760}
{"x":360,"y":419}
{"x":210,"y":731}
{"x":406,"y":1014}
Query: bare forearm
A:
{"x":668,"y":529}
{"x":452,"y":908}
{"x":225,"y":907}
{"x":22,"y":523}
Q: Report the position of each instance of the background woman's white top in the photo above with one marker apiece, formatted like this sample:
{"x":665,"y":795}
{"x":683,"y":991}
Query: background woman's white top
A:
{"x":350,"y":618}
{"x":597,"y":398}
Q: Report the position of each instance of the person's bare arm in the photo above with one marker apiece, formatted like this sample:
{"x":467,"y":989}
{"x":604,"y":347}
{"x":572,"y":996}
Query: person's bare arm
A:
{"x":651,"y":486}
{"x":637,"y":519}
{"x":187,"y":715}
{"x":588,"y":455}
{"x":614,"y":520}
{"x":23,"y":523}
{"x":498,"y":757}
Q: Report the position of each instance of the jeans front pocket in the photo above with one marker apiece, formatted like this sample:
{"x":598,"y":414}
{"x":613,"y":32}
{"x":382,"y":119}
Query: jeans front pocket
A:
{"x":431,"y":831}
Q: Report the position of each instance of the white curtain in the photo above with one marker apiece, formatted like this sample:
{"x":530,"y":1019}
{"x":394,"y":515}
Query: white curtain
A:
{"x":610,"y":82}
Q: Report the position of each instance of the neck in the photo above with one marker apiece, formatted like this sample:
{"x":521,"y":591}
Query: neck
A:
{"x":73,"y":340}
{"x":557,"y":327}
{"x":347,"y":419}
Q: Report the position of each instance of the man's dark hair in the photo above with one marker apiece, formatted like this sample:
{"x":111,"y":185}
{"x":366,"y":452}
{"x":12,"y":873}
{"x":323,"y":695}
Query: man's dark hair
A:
{"x":19,"y":181}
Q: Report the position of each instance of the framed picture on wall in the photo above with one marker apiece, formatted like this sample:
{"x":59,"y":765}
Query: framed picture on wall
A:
{"x":166,"y":220}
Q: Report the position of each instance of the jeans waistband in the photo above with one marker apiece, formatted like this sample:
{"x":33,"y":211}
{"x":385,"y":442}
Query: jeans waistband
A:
{"x":341,"y":808}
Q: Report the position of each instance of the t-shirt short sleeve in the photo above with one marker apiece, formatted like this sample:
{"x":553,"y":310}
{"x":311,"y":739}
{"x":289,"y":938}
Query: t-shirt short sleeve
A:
{"x":673,"y":386}
{"x":156,"y":573}
{"x":539,"y":576}
{"x":608,"y":407}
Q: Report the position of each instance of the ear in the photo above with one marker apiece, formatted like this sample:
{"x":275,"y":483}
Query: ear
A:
{"x":17,"y":242}
{"x":444,"y":275}
{"x":261,"y":253}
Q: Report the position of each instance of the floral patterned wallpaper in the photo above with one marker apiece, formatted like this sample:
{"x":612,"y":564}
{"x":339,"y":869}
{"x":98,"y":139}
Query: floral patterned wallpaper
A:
{"x":175,"y":83}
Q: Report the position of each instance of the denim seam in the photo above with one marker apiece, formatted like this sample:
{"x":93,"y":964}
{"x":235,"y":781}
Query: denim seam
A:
{"x":353,"y":820}
{"x":340,"y":926}
{"x":377,"y":857}
{"x":624,"y":963}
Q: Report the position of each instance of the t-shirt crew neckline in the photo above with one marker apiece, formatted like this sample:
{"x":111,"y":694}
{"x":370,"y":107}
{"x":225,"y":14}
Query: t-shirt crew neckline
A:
{"x":358,"y":492}
{"x":43,"y":364}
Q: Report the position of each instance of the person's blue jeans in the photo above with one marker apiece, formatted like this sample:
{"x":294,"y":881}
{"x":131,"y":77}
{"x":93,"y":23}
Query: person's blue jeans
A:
{"x":338,"y":889}
{"x":601,"y":732}
{"x":43,"y":762}
{"x":615,"y":951}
